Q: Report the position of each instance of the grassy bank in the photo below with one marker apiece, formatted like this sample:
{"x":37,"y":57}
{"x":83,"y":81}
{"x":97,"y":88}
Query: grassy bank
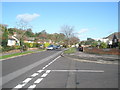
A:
{"x":70,"y":50}
{"x":17,"y":54}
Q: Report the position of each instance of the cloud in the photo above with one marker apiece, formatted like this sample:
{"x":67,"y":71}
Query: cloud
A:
{"x":83,"y":30}
{"x":27,"y":17}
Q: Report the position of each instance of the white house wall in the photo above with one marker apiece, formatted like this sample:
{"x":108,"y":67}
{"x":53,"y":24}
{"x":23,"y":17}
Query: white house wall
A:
{"x":11,"y":42}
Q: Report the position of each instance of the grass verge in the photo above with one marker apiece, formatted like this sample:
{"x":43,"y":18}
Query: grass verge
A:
{"x":70,"y":50}
{"x":17,"y":54}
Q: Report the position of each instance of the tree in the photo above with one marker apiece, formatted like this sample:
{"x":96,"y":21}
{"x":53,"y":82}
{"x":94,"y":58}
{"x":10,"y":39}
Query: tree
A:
{"x":74,"y":40}
{"x":23,"y":26}
{"x":29,"y":33}
{"x":5,"y":38}
{"x":68,"y":32}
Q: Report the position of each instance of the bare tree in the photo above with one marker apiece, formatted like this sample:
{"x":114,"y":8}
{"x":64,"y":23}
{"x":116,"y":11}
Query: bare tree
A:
{"x":22,"y":25}
{"x":68,"y":31}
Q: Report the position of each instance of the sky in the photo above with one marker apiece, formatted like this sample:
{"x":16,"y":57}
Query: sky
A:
{"x":89,"y":19}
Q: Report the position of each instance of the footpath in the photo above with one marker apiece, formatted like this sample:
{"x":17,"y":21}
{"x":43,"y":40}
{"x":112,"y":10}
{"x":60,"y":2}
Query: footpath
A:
{"x":93,"y":57}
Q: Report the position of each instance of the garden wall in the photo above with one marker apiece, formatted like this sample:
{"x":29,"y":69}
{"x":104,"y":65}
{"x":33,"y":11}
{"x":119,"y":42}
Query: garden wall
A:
{"x":102,"y":51}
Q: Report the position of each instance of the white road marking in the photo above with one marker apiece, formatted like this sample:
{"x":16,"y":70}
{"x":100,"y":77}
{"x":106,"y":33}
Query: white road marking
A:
{"x":48,"y":71}
{"x":20,"y":85}
{"x":32,"y":86}
{"x":38,"y":80}
{"x":44,"y":75}
{"x":27,"y":80}
{"x":34,"y":75}
{"x":77,"y":70}
{"x":51,"y":62}
{"x":39,"y":71}
{"x":43,"y":67}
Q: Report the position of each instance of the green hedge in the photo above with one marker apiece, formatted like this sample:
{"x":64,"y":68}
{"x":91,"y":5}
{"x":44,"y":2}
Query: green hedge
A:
{"x":7,"y":48}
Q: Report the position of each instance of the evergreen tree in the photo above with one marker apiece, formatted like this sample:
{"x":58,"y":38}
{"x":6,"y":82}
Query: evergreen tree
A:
{"x":5,"y":38}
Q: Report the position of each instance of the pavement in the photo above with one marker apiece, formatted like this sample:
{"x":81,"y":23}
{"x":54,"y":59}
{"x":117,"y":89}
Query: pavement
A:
{"x":50,"y":69}
{"x":87,"y":56}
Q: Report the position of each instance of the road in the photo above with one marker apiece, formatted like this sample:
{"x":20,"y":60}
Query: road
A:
{"x":50,"y":69}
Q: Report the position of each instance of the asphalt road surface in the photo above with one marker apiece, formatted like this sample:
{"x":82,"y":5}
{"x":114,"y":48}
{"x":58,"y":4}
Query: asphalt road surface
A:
{"x":50,"y":69}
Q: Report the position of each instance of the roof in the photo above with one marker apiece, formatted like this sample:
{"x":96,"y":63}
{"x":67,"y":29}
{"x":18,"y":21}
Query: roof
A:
{"x":114,"y":35}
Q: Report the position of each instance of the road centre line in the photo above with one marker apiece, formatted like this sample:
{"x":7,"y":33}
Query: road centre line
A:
{"x":36,"y":74}
{"x":50,"y":63}
{"x":46,"y":73}
{"x":27,"y":80}
{"x":38,"y":80}
{"x":32,"y":86}
{"x":20,"y":85}
{"x":23,"y":83}
{"x":39,"y":71}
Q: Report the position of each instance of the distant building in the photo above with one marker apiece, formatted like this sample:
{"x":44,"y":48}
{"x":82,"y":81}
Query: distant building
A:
{"x":29,"y":40}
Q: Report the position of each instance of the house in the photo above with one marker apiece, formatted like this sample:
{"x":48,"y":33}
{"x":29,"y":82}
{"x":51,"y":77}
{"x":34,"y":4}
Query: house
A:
{"x":12,"y":40}
{"x":29,"y":40}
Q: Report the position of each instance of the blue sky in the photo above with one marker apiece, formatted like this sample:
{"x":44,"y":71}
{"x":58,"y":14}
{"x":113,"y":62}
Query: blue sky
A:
{"x":90,"y":19}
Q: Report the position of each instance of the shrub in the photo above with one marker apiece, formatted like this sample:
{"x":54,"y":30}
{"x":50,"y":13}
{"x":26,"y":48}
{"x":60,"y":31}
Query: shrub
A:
{"x":103,"y":45}
{"x":17,"y":47}
{"x":94,"y":44}
{"x":34,"y":44}
{"x":46,"y":44}
{"x":119,"y":45}
{"x":8,"y":48}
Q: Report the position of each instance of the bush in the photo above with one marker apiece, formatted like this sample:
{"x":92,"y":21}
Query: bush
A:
{"x":103,"y":45}
{"x":27,"y":44}
{"x":8,"y":48}
{"x":17,"y":47}
{"x":94,"y":44}
{"x":119,"y":45}
{"x":46,"y":44}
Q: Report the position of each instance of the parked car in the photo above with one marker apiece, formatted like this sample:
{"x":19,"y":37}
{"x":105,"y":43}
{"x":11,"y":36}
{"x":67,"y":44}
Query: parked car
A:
{"x":80,"y":48}
{"x":58,"y":46}
{"x":51,"y":47}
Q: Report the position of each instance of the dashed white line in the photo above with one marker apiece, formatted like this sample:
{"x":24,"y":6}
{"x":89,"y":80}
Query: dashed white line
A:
{"x":32,"y":86}
{"x":38,"y":80}
{"x":39,"y":71}
{"x":27,"y":80}
{"x":34,"y":75}
{"x":51,"y":62}
{"x":46,"y":73}
{"x":20,"y":85}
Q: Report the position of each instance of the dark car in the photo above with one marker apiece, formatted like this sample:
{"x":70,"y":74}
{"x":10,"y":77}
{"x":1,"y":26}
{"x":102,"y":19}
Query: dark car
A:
{"x":80,"y":48}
